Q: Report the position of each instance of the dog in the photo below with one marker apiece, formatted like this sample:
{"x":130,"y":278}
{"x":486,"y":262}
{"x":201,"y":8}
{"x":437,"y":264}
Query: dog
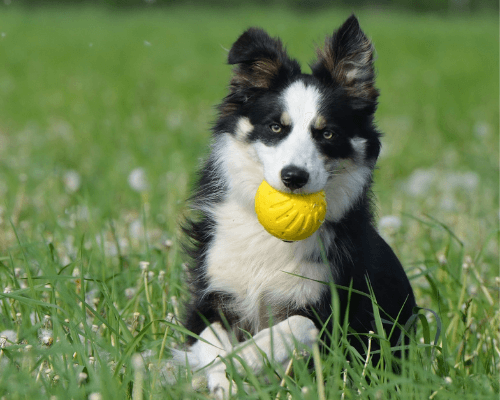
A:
{"x":302,"y":133}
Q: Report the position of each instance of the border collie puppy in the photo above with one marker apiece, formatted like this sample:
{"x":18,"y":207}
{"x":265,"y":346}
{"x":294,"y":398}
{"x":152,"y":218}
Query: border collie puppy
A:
{"x":301,"y":133}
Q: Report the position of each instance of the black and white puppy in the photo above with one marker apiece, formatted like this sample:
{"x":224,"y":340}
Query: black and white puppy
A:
{"x":301,"y":133}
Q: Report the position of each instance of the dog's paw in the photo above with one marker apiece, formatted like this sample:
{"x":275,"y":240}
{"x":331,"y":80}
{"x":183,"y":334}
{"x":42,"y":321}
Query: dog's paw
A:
{"x":302,"y":328}
{"x":220,"y":387}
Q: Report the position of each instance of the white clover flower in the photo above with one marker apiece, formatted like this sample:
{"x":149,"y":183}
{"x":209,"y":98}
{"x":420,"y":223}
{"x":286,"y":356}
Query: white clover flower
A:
{"x":71,"y":181}
{"x":137,"y":180}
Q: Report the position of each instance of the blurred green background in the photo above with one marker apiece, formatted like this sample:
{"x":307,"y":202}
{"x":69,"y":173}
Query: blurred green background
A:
{"x":105,"y":112}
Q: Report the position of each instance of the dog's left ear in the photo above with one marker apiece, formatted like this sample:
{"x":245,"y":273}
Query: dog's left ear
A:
{"x":347,"y":60}
{"x":261,"y":61}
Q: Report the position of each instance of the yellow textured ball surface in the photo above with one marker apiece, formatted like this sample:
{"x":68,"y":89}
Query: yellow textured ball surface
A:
{"x":289,"y":216}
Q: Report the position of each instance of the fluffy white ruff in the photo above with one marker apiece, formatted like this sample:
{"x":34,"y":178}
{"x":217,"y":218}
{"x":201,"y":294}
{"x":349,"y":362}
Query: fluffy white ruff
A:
{"x":244,"y":260}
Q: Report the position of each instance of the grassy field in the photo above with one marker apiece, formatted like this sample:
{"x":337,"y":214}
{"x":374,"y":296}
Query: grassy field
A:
{"x":103,"y":119}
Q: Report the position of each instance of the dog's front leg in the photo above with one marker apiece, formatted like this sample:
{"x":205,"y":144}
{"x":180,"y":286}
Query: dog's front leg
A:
{"x":277,"y":342}
{"x":205,"y":356}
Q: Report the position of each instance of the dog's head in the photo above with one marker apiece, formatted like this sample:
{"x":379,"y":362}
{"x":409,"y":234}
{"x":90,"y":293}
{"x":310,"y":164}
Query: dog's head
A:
{"x":307,"y":132}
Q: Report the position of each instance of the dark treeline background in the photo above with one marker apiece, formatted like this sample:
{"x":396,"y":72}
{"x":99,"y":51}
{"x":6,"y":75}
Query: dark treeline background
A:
{"x":442,"y":6}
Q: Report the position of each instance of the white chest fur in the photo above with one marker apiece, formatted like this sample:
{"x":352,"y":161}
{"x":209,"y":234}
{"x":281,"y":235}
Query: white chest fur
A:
{"x":247,"y":262}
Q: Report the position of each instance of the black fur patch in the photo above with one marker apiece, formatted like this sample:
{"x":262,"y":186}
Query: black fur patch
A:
{"x":261,"y":64}
{"x":347,"y":61}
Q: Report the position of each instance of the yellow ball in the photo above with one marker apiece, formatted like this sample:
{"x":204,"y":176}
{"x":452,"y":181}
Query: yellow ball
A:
{"x":289,"y":216}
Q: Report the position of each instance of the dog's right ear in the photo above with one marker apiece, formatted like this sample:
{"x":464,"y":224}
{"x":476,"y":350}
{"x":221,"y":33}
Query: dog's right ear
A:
{"x":262,"y":61}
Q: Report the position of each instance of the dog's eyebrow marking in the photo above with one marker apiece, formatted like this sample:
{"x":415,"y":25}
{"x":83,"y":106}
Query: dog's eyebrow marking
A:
{"x":286,"y":120}
{"x":319,"y":122}
{"x":243,"y":128}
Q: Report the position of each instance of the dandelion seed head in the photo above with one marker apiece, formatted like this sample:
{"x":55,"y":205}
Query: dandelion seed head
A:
{"x":137,"y":361}
{"x":9,"y":336}
{"x":442,"y":259}
{"x":130,"y":293}
{"x":448,"y":203}
{"x":136,"y":230}
{"x":170,"y":318}
{"x":45,"y":336}
{"x":137,"y":180}
{"x":390,"y":223}
{"x":420,"y":182}
{"x":71,"y":181}
{"x":82,"y":376}
{"x":174,"y":119}
{"x":481,"y":129}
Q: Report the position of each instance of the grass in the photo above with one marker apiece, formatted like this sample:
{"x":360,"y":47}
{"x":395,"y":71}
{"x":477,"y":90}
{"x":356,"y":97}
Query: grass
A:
{"x":91,"y":272}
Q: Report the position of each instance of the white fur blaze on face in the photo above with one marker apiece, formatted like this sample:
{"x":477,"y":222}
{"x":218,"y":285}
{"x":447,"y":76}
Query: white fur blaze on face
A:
{"x":298,"y":148}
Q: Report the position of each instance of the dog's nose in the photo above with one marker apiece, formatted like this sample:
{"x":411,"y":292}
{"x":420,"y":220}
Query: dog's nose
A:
{"x":294,"y":177}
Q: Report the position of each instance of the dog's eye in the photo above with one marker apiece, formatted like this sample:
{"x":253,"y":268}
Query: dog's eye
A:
{"x":276,"y":128}
{"x":328,"y":135}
